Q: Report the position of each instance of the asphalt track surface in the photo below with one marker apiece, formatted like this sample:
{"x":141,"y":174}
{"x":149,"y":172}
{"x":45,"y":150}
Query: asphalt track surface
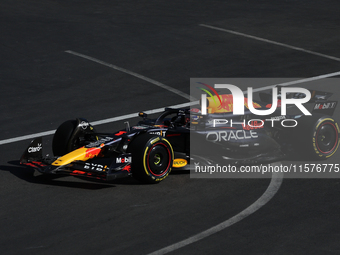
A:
{"x":43,"y":85}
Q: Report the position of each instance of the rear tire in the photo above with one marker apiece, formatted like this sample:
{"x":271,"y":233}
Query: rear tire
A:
{"x":319,"y":136}
{"x":152,"y":158}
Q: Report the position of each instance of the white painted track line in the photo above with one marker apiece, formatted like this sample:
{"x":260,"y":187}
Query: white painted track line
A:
{"x":26,"y":137}
{"x":173,"y":90}
{"x":315,"y":78}
{"x":272,"y":189}
{"x":99,"y":122}
{"x":271,"y":42}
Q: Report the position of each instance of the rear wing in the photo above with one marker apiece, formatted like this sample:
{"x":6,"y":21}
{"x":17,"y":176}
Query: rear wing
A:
{"x":318,"y":98}
{"x":316,"y":95}
{"x":321,"y":102}
{"x":326,"y":107}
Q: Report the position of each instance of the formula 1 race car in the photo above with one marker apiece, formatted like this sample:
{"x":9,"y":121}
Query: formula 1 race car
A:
{"x":149,"y":150}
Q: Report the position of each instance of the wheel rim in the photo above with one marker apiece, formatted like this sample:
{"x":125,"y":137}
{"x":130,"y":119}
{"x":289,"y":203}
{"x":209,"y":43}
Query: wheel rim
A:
{"x":326,"y":138}
{"x":158,"y":159}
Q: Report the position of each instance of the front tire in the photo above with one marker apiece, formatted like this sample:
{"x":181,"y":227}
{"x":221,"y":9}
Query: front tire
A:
{"x":61,"y":143}
{"x":152,"y":158}
{"x":71,"y":135}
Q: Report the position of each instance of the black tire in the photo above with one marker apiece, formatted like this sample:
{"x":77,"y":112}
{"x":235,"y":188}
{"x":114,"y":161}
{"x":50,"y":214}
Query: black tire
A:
{"x":71,"y":135}
{"x":152,"y":158}
{"x":319,"y":136}
{"x":61,"y":139}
